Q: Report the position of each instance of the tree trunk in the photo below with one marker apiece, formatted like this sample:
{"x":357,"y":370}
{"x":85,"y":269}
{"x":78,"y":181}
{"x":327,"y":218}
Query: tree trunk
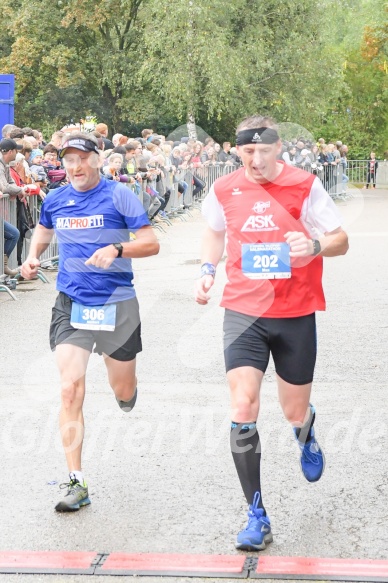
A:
{"x":191,"y":127}
{"x":111,"y":114}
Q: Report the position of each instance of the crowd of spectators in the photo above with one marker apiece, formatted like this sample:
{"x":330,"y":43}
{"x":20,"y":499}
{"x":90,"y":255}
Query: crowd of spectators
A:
{"x":328,"y":161}
{"x":149,"y":164}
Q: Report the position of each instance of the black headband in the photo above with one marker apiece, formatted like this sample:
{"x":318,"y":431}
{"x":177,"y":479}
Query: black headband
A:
{"x":257,"y":136}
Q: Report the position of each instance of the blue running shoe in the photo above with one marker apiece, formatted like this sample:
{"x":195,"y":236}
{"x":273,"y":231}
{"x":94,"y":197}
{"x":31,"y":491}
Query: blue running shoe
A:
{"x":257,"y":533}
{"x":312,"y":459}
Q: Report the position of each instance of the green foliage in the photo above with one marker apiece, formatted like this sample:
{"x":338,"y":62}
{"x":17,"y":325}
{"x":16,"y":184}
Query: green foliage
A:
{"x":139,"y":63}
{"x":359,"y":117}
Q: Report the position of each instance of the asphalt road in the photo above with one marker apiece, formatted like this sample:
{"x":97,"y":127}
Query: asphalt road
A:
{"x":162,"y":479}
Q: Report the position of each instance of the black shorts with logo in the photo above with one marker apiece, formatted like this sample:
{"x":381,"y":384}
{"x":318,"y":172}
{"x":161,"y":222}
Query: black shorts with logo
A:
{"x":249,"y":341}
{"x":121,"y":344}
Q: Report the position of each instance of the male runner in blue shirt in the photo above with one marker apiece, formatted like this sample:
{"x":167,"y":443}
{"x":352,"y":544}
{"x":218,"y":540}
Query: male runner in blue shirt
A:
{"x":96,"y":306}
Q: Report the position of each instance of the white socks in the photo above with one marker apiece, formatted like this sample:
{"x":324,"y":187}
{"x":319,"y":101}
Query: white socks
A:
{"x":77,"y":475}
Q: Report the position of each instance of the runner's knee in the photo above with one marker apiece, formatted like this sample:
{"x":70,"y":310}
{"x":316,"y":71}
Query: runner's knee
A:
{"x":124,"y":389}
{"x":295,"y":413}
{"x":245,"y":408}
{"x":72,"y":392}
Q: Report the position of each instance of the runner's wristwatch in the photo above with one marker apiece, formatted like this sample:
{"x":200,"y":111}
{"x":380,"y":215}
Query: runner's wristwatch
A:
{"x":316,"y":247}
{"x":119,"y":248}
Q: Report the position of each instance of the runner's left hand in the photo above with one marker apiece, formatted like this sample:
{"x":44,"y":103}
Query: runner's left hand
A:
{"x":103,"y":257}
{"x":300,"y":245}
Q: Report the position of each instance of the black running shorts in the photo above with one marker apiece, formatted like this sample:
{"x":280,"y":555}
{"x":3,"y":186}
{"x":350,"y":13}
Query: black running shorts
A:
{"x":249,"y":341}
{"x":121,"y":344}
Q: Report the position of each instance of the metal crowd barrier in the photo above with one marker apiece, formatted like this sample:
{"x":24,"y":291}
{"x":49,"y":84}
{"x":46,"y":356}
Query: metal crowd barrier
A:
{"x":50,"y":256}
{"x":332,"y":177}
{"x":357,"y":171}
{"x":336,"y":177}
{"x":7,"y":213}
{"x":1,"y":236}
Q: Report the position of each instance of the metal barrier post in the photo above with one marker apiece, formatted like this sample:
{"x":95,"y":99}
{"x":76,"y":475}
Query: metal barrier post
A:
{"x":382,"y":174}
{"x":357,"y":171}
{"x":174,"y":197}
{"x":188,"y":196}
{"x":5,"y":215}
{"x":2,"y":214}
{"x":12,"y":260}
{"x":136,"y":189}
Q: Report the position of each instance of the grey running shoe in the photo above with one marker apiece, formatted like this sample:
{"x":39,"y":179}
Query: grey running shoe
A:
{"x":127,"y":406}
{"x":77,"y":495}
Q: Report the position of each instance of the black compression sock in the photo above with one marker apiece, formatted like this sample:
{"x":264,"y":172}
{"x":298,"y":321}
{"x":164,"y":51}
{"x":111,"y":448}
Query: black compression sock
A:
{"x":303,"y":433}
{"x":246,"y":452}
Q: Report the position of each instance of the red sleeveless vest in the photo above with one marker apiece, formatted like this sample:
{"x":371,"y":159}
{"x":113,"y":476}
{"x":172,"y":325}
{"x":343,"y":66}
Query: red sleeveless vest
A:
{"x":263,"y":213}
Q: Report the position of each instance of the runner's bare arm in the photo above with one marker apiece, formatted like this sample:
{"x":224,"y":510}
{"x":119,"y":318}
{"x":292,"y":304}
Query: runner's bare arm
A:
{"x":332,"y":244}
{"x":39,"y":243}
{"x":213,"y":244}
{"x":144,"y":245}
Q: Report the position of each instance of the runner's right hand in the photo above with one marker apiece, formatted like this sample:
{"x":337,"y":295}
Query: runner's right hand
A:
{"x":203,"y":285}
{"x":30,"y":267}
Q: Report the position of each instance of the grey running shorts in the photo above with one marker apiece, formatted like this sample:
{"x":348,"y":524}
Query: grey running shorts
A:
{"x":121,"y":344}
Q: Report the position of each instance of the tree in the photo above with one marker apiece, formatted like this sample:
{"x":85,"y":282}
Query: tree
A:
{"x":78,"y":46}
{"x":359,"y":116}
{"x":208,"y":58}
{"x":135,"y":63}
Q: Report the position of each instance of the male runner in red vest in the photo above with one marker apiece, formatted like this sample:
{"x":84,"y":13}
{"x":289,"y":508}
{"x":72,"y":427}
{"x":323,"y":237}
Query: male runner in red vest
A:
{"x":278,"y":222}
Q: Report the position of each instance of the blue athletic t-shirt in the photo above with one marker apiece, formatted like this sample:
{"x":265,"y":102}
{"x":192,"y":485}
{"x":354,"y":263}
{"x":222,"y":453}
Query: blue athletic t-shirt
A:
{"x":85,"y":222}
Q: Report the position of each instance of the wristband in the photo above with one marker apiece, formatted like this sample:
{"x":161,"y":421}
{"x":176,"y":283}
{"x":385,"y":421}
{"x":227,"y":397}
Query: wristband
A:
{"x":208,"y":269}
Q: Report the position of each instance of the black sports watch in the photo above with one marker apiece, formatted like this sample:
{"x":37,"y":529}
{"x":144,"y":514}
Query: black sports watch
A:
{"x":316,"y":247}
{"x":119,"y":248}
